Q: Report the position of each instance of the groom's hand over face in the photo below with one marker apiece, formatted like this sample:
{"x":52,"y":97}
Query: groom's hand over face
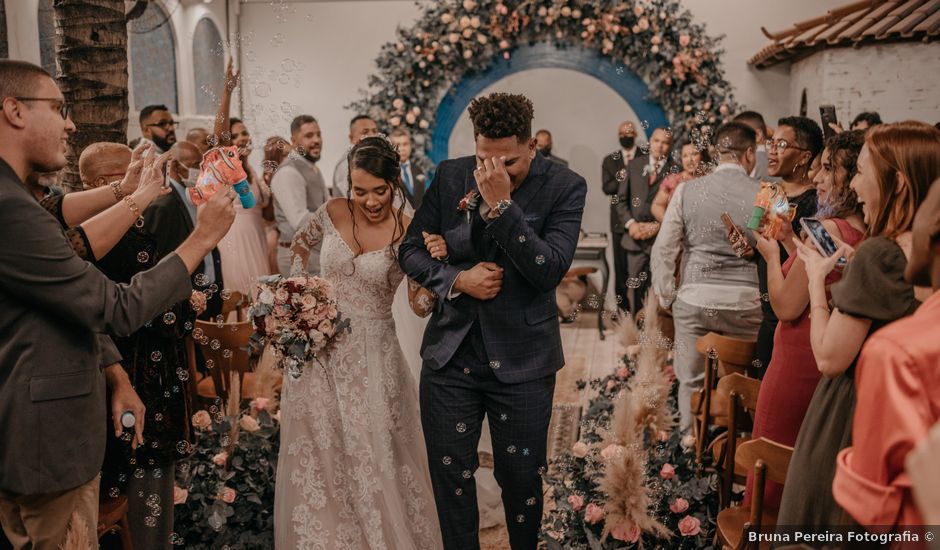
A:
{"x":483,"y":281}
{"x":493,"y":180}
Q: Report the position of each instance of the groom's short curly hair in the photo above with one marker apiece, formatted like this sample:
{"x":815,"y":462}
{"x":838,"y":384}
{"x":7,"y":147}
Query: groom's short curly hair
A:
{"x":501,"y":115}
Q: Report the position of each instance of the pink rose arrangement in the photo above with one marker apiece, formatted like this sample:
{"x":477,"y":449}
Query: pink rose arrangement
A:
{"x":679,"y":505}
{"x":298,"y":316}
{"x":668,"y":471}
{"x":593,"y":513}
{"x":627,"y":533}
{"x":689,"y":526}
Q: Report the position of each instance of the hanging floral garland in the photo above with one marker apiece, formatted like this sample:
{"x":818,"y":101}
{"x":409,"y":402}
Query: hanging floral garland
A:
{"x":655,"y":39}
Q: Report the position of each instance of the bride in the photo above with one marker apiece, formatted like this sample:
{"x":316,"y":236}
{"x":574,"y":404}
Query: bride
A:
{"x":352,"y":471}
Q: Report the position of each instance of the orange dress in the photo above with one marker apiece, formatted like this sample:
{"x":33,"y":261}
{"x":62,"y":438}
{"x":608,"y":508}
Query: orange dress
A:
{"x":897,"y":379}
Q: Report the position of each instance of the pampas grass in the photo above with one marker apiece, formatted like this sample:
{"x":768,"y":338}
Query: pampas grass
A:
{"x":267,"y":377}
{"x":640,"y":410}
{"x":77,"y":536}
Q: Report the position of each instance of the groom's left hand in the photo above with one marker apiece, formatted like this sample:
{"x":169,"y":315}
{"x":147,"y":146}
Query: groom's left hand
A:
{"x":493,"y":180}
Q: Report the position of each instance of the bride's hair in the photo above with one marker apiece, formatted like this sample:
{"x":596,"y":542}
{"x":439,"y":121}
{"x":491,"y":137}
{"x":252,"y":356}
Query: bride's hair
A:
{"x":377,"y":156}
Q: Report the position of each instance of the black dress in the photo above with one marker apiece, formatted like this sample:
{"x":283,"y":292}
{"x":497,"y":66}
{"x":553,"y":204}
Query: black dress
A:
{"x":156,"y":362}
{"x":805,"y":207}
{"x":873,"y":288}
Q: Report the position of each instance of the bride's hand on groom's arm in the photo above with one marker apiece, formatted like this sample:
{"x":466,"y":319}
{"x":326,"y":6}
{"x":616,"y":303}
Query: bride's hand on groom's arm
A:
{"x":436,"y":245}
{"x":482,"y":281}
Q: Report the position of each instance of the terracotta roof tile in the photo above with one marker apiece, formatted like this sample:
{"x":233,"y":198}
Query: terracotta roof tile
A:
{"x":858,"y":23}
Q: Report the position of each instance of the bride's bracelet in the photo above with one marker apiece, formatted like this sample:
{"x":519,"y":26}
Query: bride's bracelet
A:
{"x":116,"y":187}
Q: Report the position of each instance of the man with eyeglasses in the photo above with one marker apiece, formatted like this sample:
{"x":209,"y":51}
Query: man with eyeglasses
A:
{"x":53,"y":307}
{"x":158,"y":127}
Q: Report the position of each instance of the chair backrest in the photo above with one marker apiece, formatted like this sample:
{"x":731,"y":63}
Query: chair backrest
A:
{"x":226,"y":346}
{"x":234,"y":302}
{"x":774,"y":457}
{"x":746,"y":389}
{"x":733,"y":354}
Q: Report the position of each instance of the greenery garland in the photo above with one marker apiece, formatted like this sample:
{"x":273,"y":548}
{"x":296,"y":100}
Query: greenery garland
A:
{"x":655,"y":39}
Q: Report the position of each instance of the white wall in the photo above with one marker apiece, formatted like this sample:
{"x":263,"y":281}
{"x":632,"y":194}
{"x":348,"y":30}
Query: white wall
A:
{"x":900,"y":81}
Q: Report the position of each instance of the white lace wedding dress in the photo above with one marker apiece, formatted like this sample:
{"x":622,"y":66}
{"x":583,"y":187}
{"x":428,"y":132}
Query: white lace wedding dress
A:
{"x":352,"y":471}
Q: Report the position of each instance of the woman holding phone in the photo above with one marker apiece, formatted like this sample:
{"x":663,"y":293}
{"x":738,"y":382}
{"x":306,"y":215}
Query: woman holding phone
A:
{"x":895,"y":169}
{"x":792,"y":375}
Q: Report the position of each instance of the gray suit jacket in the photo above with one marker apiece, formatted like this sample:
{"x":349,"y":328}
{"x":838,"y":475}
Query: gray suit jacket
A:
{"x":53,"y":415}
{"x":635,"y":198}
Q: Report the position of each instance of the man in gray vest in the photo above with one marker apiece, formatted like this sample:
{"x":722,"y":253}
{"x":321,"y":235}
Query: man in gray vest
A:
{"x":718,"y":290}
{"x":299,"y":190}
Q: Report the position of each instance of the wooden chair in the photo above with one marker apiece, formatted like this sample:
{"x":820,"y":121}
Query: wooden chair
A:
{"x":740,"y":392}
{"x":768,"y":461}
{"x":232,"y":337}
{"x":237,"y":303}
{"x":112,"y":518}
{"x":723,"y":355}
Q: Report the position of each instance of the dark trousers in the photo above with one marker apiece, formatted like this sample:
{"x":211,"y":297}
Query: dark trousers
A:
{"x":638,"y":279}
{"x":454,"y":400}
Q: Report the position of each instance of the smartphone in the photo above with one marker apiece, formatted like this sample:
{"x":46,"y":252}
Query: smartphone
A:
{"x":820,"y":237}
{"x":738,"y":242}
{"x":827,"y":113}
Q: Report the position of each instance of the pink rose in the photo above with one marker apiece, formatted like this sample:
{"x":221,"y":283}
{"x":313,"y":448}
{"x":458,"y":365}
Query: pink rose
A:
{"x":623,"y":373}
{"x":331,"y":312}
{"x":684,"y":40}
{"x":179,"y":494}
{"x":325,"y":327}
{"x":249,"y":424}
{"x":690,"y":526}
{"x":281,"y":296}
{"x":667,"y":471}
{"x":227,"y":495}
{"x":579,"y":449}
{"x":626,"y":533}
{"x":576,"y":502}
{"x":679,"y":505}
{"x":308,"y":302}
{"x":593,"y":513}
{"x":202,"y":420}
{"x":611,"y":385}
{"x":260,"y":404}
{"x":220,"y":459}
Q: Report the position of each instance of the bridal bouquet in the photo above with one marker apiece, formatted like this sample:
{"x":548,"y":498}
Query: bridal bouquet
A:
{"x":298,"y":317}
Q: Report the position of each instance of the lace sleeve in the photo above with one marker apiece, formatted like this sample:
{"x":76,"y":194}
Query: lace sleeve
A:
{"x":53,"y":204}
{"x":421,"y":299}
{"x":306,"y":238}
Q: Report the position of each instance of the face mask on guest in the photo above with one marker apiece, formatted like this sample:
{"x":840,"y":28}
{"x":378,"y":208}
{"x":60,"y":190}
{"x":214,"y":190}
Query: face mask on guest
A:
{"x":627,"y":142}
{"x":193,"y":177}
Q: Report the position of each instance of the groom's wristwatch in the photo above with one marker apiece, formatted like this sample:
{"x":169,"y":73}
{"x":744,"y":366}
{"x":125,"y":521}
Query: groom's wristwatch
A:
{"x":501,"y":207}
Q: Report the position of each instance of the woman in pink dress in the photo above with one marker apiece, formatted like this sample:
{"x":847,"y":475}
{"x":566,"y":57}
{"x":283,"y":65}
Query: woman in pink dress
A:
{"x":695,"y":164}
{"x":244,"y":250}
{"x":792,"y":376}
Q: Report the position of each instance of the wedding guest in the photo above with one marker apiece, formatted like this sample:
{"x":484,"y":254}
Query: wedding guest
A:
{"x":543,"y":143}
{"x":922,"y":466}
{"x":644,"y":176}
{"x":898,"y":401}
{"x":792,"y":375}
{"x":359,"y":127}
{"x":50,"y":463}
{"x":797,"y":141}
{"x":865,"y":120}
{"x":157,"y":127}
{"x":895,"y":168}
{"x":243,"y":251}
{"x":718,"y":289}
{"x":756,"y":121}
{"x":298,"y":190}
{"x":413,"y":178}
{"x":276,"y":150}
{"x":152,"y":356}
{"x":200,"y":138}
{"x":172,"y":218}
{"x":613,"y":172}
{"x":695,"y":163}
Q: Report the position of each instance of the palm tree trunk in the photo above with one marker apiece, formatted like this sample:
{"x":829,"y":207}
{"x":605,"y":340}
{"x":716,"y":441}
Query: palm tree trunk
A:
{"x":91,"y":54}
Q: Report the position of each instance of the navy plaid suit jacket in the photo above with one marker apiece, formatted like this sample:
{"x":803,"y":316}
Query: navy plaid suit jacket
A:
{"x":533,"y":241}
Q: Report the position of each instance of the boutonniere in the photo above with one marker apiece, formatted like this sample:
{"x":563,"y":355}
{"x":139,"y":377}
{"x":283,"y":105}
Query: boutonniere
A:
{"x":469,"y":203}
{"x":646,"y":170}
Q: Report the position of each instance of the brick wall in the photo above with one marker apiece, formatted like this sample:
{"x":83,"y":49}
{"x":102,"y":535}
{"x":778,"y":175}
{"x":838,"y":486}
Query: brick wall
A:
{"x":900,"y":81}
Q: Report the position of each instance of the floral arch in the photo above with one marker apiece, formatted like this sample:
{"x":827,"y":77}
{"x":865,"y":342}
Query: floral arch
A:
{"x":423,"y":77}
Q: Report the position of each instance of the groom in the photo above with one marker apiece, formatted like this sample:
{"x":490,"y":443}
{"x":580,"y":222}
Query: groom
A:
{"x":511,"y":220}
